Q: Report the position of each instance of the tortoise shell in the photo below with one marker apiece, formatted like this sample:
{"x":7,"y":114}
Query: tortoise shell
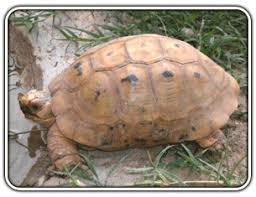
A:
{"x":140,"y":91}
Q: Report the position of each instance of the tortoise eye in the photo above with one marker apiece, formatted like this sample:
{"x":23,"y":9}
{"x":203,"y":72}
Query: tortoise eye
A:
{"x":35,"y":106}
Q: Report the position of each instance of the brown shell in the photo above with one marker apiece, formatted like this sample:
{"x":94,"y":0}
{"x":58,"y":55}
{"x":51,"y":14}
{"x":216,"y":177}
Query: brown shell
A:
{"x":141,"y":91}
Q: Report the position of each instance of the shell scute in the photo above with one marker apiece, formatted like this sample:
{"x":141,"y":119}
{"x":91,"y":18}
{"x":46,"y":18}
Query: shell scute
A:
{"x":167,"y":80}
{"x":96,"y":100}
{"x":144,"y":49}
{"x":179,"y":51}
{"x":73,"y":76}
{"x":109,"y":56}
{"x":136,"y":95}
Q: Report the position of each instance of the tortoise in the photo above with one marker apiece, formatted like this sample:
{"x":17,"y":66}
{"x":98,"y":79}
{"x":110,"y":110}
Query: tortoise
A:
{"x":134,"y":91}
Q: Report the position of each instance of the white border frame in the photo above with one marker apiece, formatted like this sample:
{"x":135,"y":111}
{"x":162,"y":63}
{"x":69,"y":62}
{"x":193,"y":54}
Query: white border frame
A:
{"x":127,"y":7}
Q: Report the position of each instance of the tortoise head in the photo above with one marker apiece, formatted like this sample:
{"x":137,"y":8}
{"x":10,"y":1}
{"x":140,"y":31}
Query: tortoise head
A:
{"x":36,"y":106}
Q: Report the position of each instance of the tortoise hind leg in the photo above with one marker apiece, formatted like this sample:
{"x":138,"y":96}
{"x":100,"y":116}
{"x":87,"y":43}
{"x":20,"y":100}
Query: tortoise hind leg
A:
{"x":215,"y":141}
{"x":62,"y":151}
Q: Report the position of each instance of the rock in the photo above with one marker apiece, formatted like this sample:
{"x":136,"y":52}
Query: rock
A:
{"x":40,"y":181}
{"x":187,"y":31}
{"x":54,"y":181}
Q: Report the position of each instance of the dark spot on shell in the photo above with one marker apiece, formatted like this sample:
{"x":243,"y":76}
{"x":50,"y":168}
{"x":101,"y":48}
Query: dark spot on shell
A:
{"x":125,"y":141}
{"x":161,"y":130}
{"x":183,"y":137}
{"x":77,"y":65}
{"x":120,"y":127}
{"x":97,"y":95}
{"x":111,"y":128}
{"x":130,"y":78}
{"x":197,"y":75}
{"x":177,"y":45}
{"x":79,"y":69}
{"x":167,"y":74}
{"x":193,"y":128}
{"x":109,"y":53}
{"x":106,"y":142}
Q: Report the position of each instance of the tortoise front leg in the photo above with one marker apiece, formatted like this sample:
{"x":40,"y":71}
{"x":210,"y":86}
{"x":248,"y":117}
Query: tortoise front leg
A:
{"x":63,"y":152}
{"x":215,"y":141}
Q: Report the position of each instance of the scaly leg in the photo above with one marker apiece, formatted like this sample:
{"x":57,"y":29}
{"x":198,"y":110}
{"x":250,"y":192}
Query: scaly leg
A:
{"x":215,"y":141}
{"x":62,"y":151}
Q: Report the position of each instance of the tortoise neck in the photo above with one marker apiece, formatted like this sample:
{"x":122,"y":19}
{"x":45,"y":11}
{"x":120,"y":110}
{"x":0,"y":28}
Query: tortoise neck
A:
{"x":48,"y":122}
{"x":49,"y":118}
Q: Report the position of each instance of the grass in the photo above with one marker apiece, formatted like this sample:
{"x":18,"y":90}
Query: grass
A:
{"x":164,"y":173}
{"x":29,"y":18}
{"x":103,"y":33}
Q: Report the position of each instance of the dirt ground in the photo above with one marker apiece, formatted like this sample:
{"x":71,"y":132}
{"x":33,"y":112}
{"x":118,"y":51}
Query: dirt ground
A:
{"x":54,"y":60}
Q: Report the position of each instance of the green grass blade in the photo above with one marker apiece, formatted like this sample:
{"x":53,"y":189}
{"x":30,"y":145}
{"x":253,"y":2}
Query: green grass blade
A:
{"x":190,"y":154}
{"x":161,"y":154}
{"x":116,"y":166}
{"x":172,"y":177}
{"x":71,"y":33}
{"x":215,"y":170}
{"x":139,"y":170}
{"x":90,"y":164}
{"x":100,"y":33}
{"x":82,"y":30}
{"x":81,"y":173}
{"x":192,"y":158}
{"x":232,"y":171}
{"x":219,"y":170}
{"x":63,"y":33}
